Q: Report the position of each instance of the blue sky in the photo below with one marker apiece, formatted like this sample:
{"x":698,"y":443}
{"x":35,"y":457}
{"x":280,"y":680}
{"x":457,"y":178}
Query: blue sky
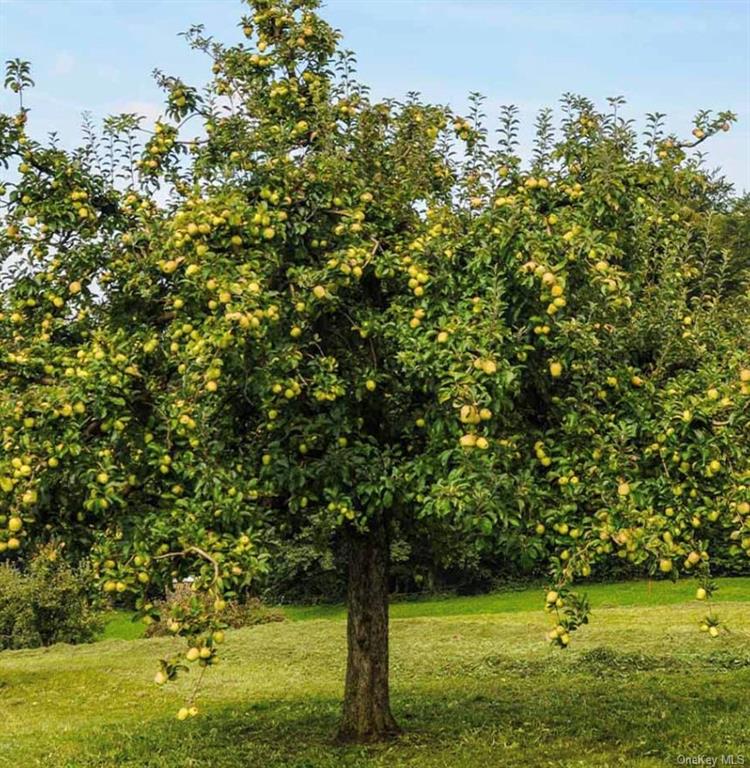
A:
{"x":671,"y":56}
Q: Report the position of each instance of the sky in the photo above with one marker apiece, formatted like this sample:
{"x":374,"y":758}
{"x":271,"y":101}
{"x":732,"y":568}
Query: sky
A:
{"x":673,"y":56}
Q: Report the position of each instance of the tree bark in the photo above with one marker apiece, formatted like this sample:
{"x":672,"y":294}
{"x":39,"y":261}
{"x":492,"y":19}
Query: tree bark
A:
{"x":367,"y":712}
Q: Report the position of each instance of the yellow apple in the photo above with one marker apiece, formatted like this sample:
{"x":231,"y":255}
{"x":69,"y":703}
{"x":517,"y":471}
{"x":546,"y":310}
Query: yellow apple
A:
{"x":469,"y":414}
{"x":192,"y":654}
{"x":15,"y":524}
{"x":468,"y":441}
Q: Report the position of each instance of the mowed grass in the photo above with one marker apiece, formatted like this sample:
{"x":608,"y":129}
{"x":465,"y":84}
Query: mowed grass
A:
{"x":640,"y":687}
{"x":661,"y":592}
{"x":119,"y":625}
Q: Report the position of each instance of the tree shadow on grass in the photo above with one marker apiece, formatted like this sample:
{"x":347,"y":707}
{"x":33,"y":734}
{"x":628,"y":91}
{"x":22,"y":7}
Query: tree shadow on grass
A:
{"x":533,"y":718}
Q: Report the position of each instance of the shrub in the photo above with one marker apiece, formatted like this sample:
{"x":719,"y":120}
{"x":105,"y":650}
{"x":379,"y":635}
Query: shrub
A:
{"x":48,"y":603}
{"x":184,"y":601}
{"x":17,"y":629}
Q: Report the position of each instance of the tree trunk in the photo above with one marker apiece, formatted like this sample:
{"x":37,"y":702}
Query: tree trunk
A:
{"x":367,"y":711}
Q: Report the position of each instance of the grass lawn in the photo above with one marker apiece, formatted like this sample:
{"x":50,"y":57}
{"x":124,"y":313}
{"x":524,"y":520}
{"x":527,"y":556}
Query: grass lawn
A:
{"x":600,"y":595}
{"x":474,"y":684}
{"x":119,"y":625}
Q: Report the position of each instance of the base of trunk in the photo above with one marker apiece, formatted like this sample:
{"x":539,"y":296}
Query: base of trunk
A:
{"x":375,"y":727}
{"x":366,"y":715}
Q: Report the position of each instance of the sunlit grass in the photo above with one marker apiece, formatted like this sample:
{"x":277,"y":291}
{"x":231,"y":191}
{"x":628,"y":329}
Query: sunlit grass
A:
{"x":474,"y":684}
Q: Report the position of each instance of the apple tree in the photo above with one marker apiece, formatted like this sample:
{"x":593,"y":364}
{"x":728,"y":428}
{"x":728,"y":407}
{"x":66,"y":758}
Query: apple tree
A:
{"x":286,"y":303}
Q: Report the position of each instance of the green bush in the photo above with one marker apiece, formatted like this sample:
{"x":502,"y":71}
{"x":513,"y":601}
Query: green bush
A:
{"x":45,"y":604}
{"x":183,"y":602}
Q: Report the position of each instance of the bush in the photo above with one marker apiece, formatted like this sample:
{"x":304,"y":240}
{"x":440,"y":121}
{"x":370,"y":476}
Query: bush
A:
{"x":46,"y":604}
{"x":184,"y":601}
